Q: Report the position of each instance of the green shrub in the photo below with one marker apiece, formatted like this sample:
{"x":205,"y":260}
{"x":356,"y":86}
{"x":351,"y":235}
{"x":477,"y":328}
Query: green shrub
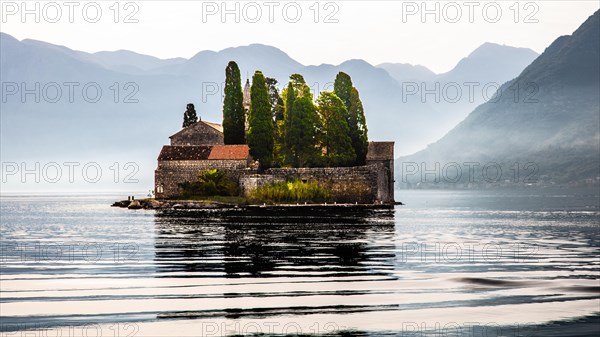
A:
{"x":211,"y":182}
{"x":290,"y":192}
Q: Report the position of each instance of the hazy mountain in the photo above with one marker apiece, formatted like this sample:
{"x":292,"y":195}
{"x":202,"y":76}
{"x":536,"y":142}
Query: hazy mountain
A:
{"x":131,"y":62}
{"x":473,"y":81}
{"x":408,"y":72}
{"x":490,"y":62}
{"x":549,"y":115}
{"x":143,"y":99}
{"x":50,"y":112}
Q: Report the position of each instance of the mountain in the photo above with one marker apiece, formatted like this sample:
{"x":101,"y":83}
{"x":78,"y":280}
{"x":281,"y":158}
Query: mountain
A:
{"x":130,"y":62}
{"x":548,"y":116}
{"x":408,"y":72}
{"x":488,"y":63}
{"x":62,"y":105}
{"x":454,"y":94}
{"x":141,"y":100}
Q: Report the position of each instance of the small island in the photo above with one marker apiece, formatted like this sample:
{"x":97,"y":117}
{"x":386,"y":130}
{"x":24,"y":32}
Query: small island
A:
{"x":275,"y":149}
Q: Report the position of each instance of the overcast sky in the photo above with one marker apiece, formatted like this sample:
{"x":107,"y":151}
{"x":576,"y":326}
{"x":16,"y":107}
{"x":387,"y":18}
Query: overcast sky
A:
{"x":376,"y":31}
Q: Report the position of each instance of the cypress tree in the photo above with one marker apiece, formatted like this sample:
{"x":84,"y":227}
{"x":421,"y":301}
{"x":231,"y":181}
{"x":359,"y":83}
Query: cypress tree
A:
{"x":276,"y":101}
{"x":300,"y":86}
{"x":335,"y":134}
{"x":342,"y":86}
{"x":234,"y":123}
{"x":302,"y":134}
{"x":289,"y":96}
{"x":278,"y":113}
{"x":357,"y":124}
{"x":260,"y":132}
{"x":189,"y":116}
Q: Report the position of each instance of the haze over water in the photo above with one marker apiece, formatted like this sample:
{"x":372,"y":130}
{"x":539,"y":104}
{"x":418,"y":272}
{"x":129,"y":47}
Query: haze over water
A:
{"x":449,"y":263}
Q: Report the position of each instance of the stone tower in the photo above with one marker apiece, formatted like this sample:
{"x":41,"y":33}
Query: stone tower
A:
{"x":246,"y":102}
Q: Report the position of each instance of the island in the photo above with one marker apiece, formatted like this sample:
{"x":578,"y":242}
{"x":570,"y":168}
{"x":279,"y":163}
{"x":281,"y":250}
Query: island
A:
{"x":275,"y":149}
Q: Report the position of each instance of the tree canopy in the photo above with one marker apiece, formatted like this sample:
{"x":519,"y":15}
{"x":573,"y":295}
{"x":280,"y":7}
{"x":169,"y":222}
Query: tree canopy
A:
{"x":234,"y":120}
{"x":302,"y":133}
{"x":355,"y":116}
{"x":260,"y":131}
{"x":342,"y":87}
{"x":289,"y":129}
{"x":357,"y":124}
{"x":189,"y":116}
{"x":335,"y":134}
{"x":277,"y":105}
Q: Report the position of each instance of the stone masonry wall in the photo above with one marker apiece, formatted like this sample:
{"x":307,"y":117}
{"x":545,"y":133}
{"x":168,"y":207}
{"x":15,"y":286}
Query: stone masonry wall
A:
{"x":170,"y":174}
{"x":362,"y":184}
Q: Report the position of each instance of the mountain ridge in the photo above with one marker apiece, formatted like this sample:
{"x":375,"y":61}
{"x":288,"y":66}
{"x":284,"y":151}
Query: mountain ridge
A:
{"x":549,"y":114}
{"x":142,"y":108}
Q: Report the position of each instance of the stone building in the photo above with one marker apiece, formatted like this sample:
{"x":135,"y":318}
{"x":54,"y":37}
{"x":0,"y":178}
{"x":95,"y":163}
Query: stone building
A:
{"x":193,"y":149}
{"x":200,"y":133}
{"x":383,"y":153}
{"x":200,"y":146}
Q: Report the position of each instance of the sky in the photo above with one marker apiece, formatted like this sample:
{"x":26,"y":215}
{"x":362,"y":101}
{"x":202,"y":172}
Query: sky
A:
{"x":436,"y":34}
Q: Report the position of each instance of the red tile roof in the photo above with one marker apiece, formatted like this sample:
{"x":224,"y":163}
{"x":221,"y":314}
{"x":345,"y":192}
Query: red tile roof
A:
{"x":184,"y":152}
{"x":233,"y":152}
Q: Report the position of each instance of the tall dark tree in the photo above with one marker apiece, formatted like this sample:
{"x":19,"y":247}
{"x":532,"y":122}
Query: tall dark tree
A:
{"x":302,"y":134}
{"x":234,"y":123}
{"x":357,"y":124}
{"x":276,"y":100}
{"x":300,"y":86}
{"x":296,"y":88}
{"x":278,"y":113}
{"x":283,"y":149}
{"x":189,"y":116}
{"x":342,"y":88}
{"x":260,"y":132}
{"x":289,"y":95}
{"x":335,"y":134}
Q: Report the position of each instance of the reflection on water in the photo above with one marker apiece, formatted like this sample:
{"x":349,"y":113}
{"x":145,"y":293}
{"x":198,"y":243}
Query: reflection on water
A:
{"x":446,"y":264}
{"x":236,"y":244}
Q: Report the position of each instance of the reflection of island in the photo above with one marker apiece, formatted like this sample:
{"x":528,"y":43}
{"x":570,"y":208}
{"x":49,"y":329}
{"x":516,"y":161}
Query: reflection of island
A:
{"x":270,"y":245}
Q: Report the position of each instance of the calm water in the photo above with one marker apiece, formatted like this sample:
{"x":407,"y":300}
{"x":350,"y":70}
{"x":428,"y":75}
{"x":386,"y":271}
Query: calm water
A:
{"x":521,"y":263}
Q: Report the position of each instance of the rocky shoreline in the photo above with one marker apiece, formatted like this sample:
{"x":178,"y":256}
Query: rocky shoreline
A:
{"x":209,"y":205}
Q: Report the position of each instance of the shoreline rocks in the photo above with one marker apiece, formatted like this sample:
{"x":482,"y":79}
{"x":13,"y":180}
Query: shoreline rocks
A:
{"x":212,"y":205}
{"x":170,"y":204}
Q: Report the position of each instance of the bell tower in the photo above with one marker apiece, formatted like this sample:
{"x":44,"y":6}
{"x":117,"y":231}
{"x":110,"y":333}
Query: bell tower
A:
{"x":246,"y":102}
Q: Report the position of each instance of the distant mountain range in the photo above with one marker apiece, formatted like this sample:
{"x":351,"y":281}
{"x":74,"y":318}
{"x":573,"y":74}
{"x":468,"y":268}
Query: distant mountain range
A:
{"x":408,"y":72}
{"x":143,"y":98}
{"x":476,"y":66}
{"x":548,"y":116}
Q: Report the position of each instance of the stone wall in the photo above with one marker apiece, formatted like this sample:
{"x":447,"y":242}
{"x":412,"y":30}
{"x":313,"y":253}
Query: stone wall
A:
{"x":170,"y":174}
{"x":385,"y":179}
{"x":362,"y":184}
{"x":372,"y":183}
{"x":382,"y":153}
